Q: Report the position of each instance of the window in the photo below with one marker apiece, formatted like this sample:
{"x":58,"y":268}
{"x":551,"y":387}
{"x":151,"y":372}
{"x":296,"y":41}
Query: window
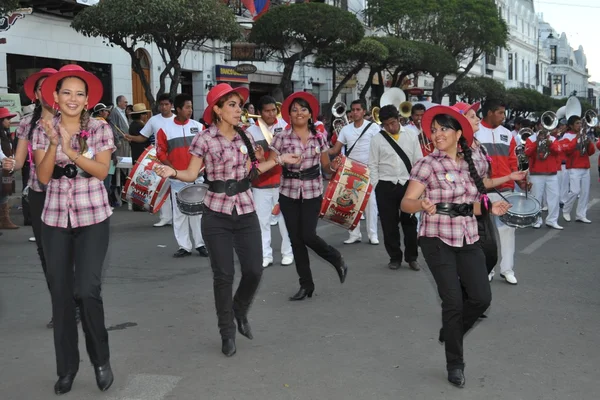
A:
{"x":557,"y":85}
{"x":553,"y":54}
{"x":510,"y":67}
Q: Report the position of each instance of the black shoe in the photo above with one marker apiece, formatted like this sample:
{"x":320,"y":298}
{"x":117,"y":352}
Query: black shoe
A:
{"x":302,"y":294}
{"x":342,"y":271}
{"x":228,"y":347}
{"x":244,"y":327}
{"x":104,"y":376}
{"x":394,"y":265}
{"x":414,"y":265}
{"x":202,"y":251}
{"x":64,"y":383}
{"x":483,"y":316}
{"x":456,"y":377}
{"x":441,"y":337}
{"x":50,"y":325}
{"x":182,"y":253}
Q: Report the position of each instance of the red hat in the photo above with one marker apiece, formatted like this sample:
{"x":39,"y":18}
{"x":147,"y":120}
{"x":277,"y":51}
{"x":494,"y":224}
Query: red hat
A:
{"x":463,"y":108}
{"x":216,"y":93}
{"x":5,"y":113}
{"x":465,"y":124}
{"x":94,"y":85}
{"x":306,"y":96}
{"x":30,"y":82}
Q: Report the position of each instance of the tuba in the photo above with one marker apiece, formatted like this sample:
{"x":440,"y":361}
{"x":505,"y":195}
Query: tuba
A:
{"x":549,"y":122}
{"x":375,"y":115}
{"x":339,"y":112}
{"x":590,"y":120}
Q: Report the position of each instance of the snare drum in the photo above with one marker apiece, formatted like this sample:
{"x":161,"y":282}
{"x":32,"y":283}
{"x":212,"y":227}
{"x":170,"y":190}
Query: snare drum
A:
{"x":524,"y":213}
{"x":143,"y":186}
{"x":190,"y":199}
{"x":347,"y":194}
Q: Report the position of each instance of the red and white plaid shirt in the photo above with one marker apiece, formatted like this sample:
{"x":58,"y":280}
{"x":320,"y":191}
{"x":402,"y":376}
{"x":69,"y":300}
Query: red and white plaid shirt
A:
{"x":23,"y":134}
{"x":224,"y":160}
{"x":480,"y":160}
{"x":80,"y":201}
{"x":288,"y":142}
{"x":445,"y":182}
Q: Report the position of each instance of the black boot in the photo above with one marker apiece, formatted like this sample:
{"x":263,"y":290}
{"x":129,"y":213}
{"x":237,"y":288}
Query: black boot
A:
{"x":342,"y":270}
{"x":64,"y":383}
{"x":302,"y":294}
{"x":228,"y":347}
{"x":456,"y":377}
{"x":104,"y":376}
{"x":244,"y":327}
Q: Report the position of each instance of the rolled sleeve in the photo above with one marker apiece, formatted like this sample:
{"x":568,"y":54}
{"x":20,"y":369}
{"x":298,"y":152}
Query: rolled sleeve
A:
{"x":421,"y":172}
{"x":103,"y":139}
{"x":199,"y":146}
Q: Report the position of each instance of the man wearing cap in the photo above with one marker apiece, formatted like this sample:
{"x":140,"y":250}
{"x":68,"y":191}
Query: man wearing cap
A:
{"x":172,"y":149}
{"x":138,"y":142}
{"x":390,"y":160}
{"x":265,"y":188}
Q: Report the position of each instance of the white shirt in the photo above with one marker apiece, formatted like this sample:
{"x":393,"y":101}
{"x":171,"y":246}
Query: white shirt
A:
{"x":154,"y":124}
{"x":386,"y":165}
{"x":258,"y":135}
{"x":412,"y":129}
{"x":350,"y":134}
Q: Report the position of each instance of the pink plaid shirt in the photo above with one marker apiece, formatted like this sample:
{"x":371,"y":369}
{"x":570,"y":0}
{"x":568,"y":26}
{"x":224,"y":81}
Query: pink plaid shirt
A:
{"x":288,"y":142}
{"x":480,"y":161}
{"x":23,"y":134}
{"x":79,"y":201}
{"x":224,"y":160}
{"x":445,"y":182}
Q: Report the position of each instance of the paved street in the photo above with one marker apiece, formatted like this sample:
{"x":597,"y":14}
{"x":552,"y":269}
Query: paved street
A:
{"x":375,"y":337}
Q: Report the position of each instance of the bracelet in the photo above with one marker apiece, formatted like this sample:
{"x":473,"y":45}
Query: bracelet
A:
{"x":331,"y":169}
{"x":175,"y":173}
{"x":75,"y":159}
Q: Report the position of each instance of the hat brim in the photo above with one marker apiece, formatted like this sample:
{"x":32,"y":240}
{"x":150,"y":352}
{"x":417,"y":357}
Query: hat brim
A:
{"x":140,"y":112}
{"x":242,"y":91}
{"x":306,"y":96}
{"x":95,"y":88}
{"x":475,"y":106}
{"x":465,"y":124}
{"x":9,"y":116}
{"x":29,"y":84}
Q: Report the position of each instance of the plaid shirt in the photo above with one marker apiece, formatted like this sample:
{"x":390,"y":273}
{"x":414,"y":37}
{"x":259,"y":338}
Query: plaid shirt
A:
{"x":479,"y":157}
{"x":79,"y":201}
{"x":446,"y":183}
{"x":23,"y":134}
{"x":224,"y":160}
{"x":288,"y":142}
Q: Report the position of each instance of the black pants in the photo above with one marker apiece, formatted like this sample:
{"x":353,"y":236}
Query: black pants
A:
{"x":452,"y":267}
{"x":301,"y":217}
{"x":389,"y":196}
{"x":36,"y":202}
{"x":75,"y":257}
{"x":222,"y":235}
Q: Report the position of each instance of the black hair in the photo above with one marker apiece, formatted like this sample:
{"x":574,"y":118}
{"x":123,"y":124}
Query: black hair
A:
{"x":254,"y":171}
{"x":180,"y":100}
{"x":35,"y":117}
{"x":304,"y":103}
{"x":573,"y":119}
{"x":264,"y":101}
{"x":492,"y":105}
{"x":136,"y":116}
{"x":388,"y":112}
{"x":417,"y":107}
{"x":84,"y":118}
{"x":360,"y":102}
{"x":164,"y":97}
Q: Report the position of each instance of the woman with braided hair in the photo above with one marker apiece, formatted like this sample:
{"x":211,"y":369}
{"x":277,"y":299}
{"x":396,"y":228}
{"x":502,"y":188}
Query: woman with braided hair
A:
{"x":72,"y":154}
{"x":448,"y":188}
{"x":229,"y":221}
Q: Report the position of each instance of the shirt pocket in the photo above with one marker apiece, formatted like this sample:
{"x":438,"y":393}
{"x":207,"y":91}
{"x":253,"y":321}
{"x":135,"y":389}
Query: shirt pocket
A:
{"x":442,"y":182}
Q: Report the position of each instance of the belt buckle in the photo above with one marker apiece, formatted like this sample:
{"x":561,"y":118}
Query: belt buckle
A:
{"x":231,"y":188}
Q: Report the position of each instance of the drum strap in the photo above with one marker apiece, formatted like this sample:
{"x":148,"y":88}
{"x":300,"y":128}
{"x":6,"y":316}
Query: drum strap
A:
{"x":398,"y":150}
{"x":361,"y":135}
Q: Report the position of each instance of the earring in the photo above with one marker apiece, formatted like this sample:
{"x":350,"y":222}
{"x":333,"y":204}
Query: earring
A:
{"x":55,"y":106}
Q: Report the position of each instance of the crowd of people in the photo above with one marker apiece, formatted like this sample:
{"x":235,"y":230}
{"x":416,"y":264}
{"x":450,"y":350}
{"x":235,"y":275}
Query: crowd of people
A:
{"x":441,"y":176}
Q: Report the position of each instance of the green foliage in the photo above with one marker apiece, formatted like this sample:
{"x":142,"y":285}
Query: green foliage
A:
{"x":368,"y":51}
{"x":471,"y":90}
{"x":7,"y":6}
{"x":522,"y":102}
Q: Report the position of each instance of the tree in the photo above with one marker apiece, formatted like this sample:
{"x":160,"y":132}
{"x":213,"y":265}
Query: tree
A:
{"x":172,"y":25}
{"x":471,"y":90}
{"x":523,"y":102}
{"x":467,"y":29}
{"x":7,"y":6}
{"x":297,"y":31}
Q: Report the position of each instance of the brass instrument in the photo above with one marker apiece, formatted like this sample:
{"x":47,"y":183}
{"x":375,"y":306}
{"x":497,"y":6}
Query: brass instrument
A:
{"x":405,"y":109}
{"x":549,"y":122}
{"x":278,"y":104}
{"x":522,"y":159}
{"x":524,"y":133}
{"x":339,"y":111}
{"x":375,"y":115}
{"x":246,"y":116}
{"x":590,"y":120}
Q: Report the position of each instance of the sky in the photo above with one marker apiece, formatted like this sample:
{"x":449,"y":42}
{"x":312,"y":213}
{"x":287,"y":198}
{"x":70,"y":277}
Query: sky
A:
{"x":579,"y":19}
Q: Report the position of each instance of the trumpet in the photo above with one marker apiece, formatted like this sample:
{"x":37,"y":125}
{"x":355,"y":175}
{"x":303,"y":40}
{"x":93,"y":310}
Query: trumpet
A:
{"x":405,"y":109}
{"x":278,"y":105}
{"x":246,"y":116}
{"x":590,"y":120}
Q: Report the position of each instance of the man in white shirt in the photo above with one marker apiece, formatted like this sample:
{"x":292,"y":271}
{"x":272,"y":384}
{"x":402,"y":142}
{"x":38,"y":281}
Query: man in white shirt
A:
{"x":389,"y":176}
{"x":356,"y":137}
{"x":265,"y":188}
{"x":148,"y":132}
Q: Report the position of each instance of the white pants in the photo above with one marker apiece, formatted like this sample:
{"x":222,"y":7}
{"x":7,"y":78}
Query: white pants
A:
{"x":264,"y":201}
{"x":563,"y":182}
{"x":546,"y":187}
{"x":183,"y":224}
{"x":166,"y":211}
{"x":579,"y":185}
{"x":371,"y":218}
{"x":506,"y":234}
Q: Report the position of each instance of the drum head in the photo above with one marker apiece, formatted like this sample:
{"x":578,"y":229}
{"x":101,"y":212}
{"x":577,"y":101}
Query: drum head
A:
{"x":193,"y":193}
{"x":522,"y":205}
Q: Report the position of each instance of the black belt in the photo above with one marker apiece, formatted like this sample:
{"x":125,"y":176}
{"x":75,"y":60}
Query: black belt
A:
{"x":69,"y":170}
{"x":454,"y":209}
{"x":230,"y":187}
{"x":304,"y":175}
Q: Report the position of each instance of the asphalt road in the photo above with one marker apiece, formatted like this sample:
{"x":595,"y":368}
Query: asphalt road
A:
{"x":375,"y":337}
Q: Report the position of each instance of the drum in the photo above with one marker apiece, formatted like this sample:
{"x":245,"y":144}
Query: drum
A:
{"x":190,"y":199}
{"x":347,"y":194}
{"x":524,"y":213}
{"x":143,"y":186}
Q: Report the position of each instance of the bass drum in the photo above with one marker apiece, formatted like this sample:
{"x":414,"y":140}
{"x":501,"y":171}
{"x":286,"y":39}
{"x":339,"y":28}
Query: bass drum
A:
{"x":524,"y":213}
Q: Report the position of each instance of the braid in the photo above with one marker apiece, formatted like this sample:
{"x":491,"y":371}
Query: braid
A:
{"x":312,"y":127}
{"x":467,"y":153}
{"x":254,"y":172}
{"x":37,"y":114}
{"x":84,"y":120}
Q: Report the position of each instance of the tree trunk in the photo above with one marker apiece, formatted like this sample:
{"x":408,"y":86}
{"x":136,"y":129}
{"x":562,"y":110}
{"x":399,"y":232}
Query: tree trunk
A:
{"x":438,"y":85}
{"x":327,"y":112}
{"x":286,"y":85}
{"x":368,"y":83}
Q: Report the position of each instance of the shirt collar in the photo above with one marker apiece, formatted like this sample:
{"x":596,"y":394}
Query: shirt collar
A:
{"x":485,"y":125}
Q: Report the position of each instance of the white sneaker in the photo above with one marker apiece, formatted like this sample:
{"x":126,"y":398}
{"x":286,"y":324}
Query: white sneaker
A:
{"x":353,"y":239}
{"x":374,"y":241}
{"x":537,"y":225}
{"x":567,"y":217}
{"x":509,"y":278}
{"x":545,"y":208}
{"x":584,"y":220}
{"x":554,"y":225}
{"x":32,"y":239}
{"x":267,"y":262}
{"x":287,"y":260}
{"x":274,"y":221}
{"x":491,"y":276}
{"x":362,"y":217}
{"x":162,"y":223}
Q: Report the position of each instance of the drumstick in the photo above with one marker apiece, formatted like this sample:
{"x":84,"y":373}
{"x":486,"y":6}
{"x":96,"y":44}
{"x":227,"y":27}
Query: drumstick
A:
{"x":497,"y":191}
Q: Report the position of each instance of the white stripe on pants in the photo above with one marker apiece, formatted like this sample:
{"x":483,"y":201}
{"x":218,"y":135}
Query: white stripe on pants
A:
{"x":546,"y":186}
{"x":371,"y":218}
{"x":579,"y":185}
{"x":563,"y":182}
{"x":183,"y":224}
{"x":264,"y":201}
{"x":506,"y":234}
{"x":166,"y":211}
